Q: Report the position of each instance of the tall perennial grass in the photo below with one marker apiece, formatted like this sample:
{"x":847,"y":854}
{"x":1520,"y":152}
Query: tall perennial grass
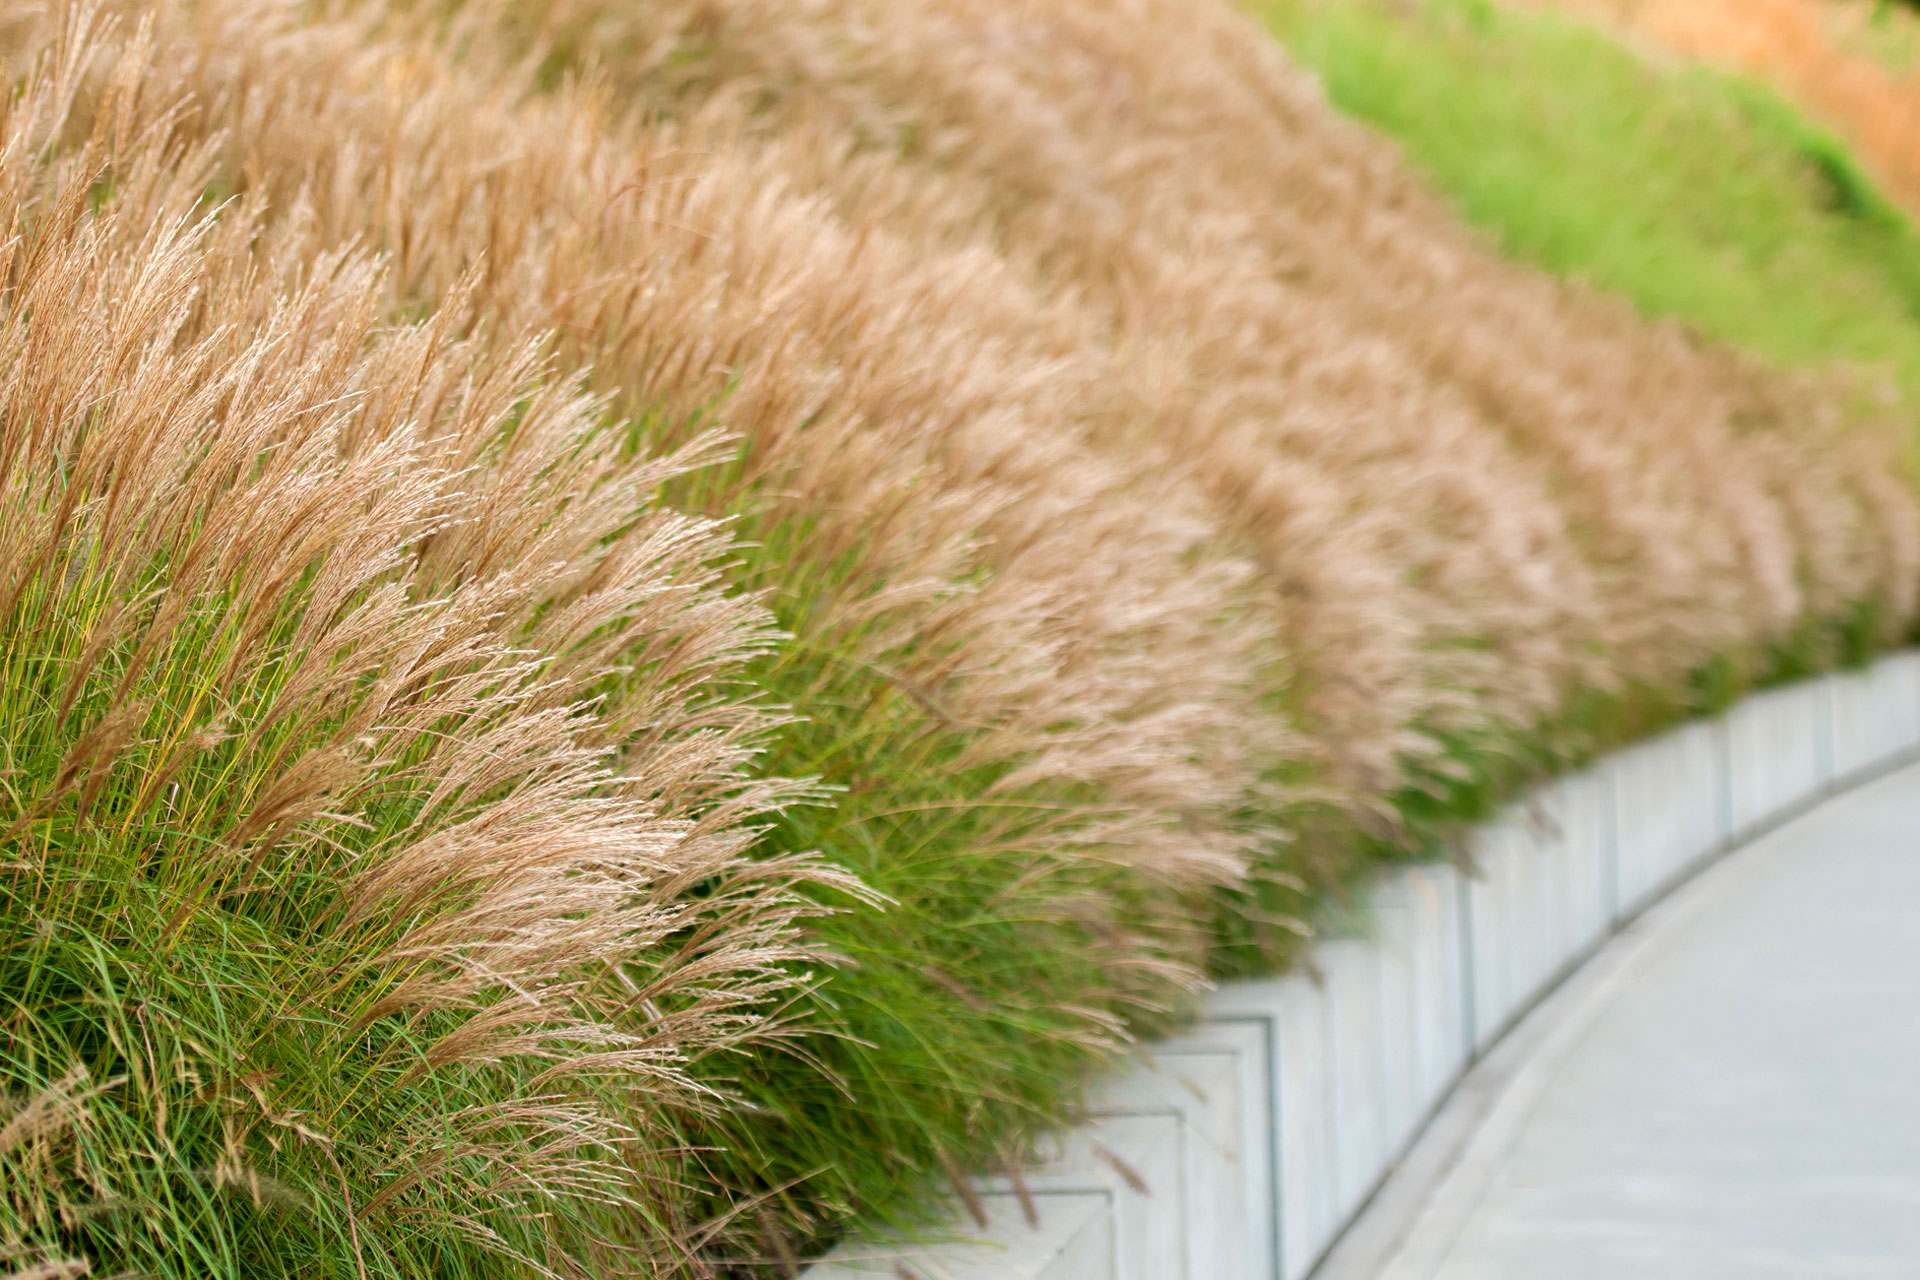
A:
{"x":466,"y":458}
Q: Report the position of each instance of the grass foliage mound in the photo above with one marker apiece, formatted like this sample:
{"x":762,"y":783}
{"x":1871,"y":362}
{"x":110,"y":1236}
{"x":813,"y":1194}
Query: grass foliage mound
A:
{"x":633,"y":633}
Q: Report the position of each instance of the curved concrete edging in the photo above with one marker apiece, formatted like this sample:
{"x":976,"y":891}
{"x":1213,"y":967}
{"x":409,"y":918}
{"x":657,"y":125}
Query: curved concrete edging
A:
{"x":1413,"y":1219}
{"x":1246,"y":1148}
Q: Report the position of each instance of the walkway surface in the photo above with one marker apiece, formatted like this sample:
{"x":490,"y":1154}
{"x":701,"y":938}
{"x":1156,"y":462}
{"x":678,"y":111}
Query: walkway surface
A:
{"x":1740,"y":1099}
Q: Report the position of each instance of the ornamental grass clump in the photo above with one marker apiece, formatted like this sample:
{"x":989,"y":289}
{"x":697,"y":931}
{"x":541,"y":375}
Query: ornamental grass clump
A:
{"x":1494,"y":520}
{"x":499,"y":445}
{"x":1031,"y":670}
{"x":370,"y":814}
{"x":1481,"y":494}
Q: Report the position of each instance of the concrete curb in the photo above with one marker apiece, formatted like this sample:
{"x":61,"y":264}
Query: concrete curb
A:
{"x":1245,"y":1149}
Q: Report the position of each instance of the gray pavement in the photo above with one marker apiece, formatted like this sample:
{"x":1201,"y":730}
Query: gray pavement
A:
{"x":1745,"y":1101}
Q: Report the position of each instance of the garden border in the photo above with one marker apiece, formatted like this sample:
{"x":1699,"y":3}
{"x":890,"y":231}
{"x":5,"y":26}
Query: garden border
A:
{"x":1244,"y":1149}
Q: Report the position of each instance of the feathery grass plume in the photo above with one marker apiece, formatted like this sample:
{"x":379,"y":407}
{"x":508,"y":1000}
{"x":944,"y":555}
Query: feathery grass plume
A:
{"x":1338,"y":499}
{"x":944,"y":499}
{"x":1027,"y":661}
{"x":386,"y":943}
{"x":1161,"y":287}
{"x":1539,"y":453}
{"x":31,"y":1130}
{"x":1509,"y":521}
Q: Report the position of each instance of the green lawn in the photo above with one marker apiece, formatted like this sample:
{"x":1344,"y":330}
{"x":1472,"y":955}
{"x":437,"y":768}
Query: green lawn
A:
{"x":1697,"y":194}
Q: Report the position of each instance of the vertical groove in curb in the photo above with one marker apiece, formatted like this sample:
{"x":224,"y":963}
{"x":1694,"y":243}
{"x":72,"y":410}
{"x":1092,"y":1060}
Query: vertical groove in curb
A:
{"x":1276,"y":1183}
{"x":1723,"y":783}
{"x":1824,"y":734}
{"x":1469,"y":1011}
{"x":1610,"y":843}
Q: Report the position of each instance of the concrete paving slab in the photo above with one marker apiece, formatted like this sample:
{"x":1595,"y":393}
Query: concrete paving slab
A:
{"x":1780,"y":751}
{"x":1228,"y":1063}
{"x":1292,"y":1013}
{"x":1876,"y":713}
{"x":1395,"y":944}
{"x":1072,"y":1240}
{"x":1579,"y":841}
{"x":1439,"y":970}
{"x":1665,"y":819}
{"x":1746,"y":1103}
{"x":1200,"y":1090}
{"x":1501,"y":913}
{"x":1357,"y":1041}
